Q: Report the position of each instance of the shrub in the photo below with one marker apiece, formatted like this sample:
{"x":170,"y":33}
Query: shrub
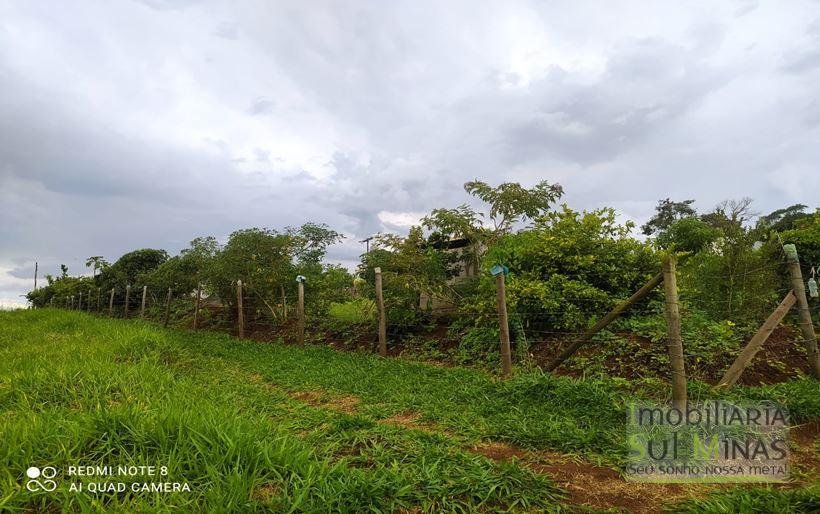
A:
{"x":570,"y":268}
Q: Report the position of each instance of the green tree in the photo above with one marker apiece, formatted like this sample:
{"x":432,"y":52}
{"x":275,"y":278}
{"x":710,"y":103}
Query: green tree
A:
{"x":96,"y":263}
{"x":568,"y":269}
{"x":261,"y":258}
{"x":667,"y":212}
{"x":310,"y":242}
{"x":411,"y":266}
{"x":182,"y":273}
{"x":509,"y":203}
{"x":688,"y":235}
{"x":784,"y":219}
{"x":130,"y":270}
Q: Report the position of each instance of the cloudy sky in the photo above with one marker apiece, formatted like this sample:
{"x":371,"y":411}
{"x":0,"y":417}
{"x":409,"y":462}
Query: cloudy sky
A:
{"x":147,"y":123}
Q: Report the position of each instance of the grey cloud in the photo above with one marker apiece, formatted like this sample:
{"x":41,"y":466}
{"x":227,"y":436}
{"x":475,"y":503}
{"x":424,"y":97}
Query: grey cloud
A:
{"x":227,"y":30}
{"x":168,"y":4}
{"x":261,"y":106}
{"x":804,"y":59}
{"x":646,"y":85}
{"x":803,"y":63}
{"x":334,"y":112}
{"x":744,"y":7}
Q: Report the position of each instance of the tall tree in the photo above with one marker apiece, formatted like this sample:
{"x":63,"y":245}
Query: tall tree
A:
{"x":96,"y":263}
{"x":784,"y":219}
{"x":667,"y":212}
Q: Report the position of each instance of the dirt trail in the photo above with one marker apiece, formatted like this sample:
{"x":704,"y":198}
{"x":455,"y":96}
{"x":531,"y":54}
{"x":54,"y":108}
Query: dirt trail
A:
{"x":586,"y":483}
{"x":594,"y":486}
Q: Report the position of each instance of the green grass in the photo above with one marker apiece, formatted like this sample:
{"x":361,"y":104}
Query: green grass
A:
{"x":75,"y":390}
{"x":220,"y":414}
{"x":354,"y":312}
{"x":757,"y":500}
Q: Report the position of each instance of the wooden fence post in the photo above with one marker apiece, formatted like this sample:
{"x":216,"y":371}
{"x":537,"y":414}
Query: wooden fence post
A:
{"x":240,"y":319}
{"x":284,"y":305}
{"x":99,"y":294}
{"x":72,"y":302}
{"x":142,"y":304}
{"x":756,"y":343}
{"x":606,"y":320}
{"x":80,"y":301}
{"x":127,"y":298}
{"x":503,"y":325}
{"x":167,"y":308}
{"x":803,"y":312}
{"x":674,"y":342}
{"x":382,"y":314}
{"x":51,"y":302}
{"x":300,"y":309}
{"x":196,"y":307}
{"x":111,"y":303}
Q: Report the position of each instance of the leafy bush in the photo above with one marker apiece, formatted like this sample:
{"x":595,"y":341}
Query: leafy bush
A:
{"x":732,"y":280}
{"x":707,"y":342}
{"x":806,"y":237}
{"x":59,"y":290}
{"x":688,"y":235}
{"x":478,"y":344}
{"x":128,"y":268}
{"x":410,"y":267}
{"x":570,"y":268}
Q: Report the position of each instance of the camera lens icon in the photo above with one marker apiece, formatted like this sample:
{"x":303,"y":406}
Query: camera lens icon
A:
{"x":47,"y":484}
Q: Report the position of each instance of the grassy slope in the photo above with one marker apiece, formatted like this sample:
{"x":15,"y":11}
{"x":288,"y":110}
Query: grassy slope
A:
{"x":79,"y":390}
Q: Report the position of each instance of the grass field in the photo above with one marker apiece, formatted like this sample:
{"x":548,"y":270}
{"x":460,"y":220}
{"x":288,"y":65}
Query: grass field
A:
{"x":255,"y":427}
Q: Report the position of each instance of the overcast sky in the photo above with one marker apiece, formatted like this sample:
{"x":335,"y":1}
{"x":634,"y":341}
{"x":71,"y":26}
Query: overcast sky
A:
{"x":145,"y":124}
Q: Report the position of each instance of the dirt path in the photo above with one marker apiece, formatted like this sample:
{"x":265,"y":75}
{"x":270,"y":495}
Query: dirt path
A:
{"x":586,"y":483}
{"x":594,"y":486}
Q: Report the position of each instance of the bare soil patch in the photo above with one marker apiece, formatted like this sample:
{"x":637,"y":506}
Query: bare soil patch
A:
{"x":346,"y":404}
{"x":408,"y":419}
{"x":604,"y":488}
{"x":590,"y":485}
{"x":781,"y":359}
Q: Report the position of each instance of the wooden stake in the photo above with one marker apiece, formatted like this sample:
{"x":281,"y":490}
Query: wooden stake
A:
{"x":72,"y":302}
{"x":80,"y":301}
{"x":300,"y":312}
{"x":88,"y":307}
{"x":745,"y":358}
{"x":382,"y":314}
{"x":142,"y":304}
{"x":240,"y":318}
{"x":167,"y":308}
{"x":111,"y":303}
{"x":99,"y":294}
{"x":127,"y":298}
{"x":803,"y":312}
{"x":606,"y":320}
{"x":196,"y":308}
{"x":503,"y":325}
{"x":284,"y":305}
{"x":674,"y":342}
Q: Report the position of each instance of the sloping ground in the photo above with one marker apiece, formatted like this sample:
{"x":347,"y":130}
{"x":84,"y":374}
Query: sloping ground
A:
{"x":631,"y":356}
{"x":253,"y":426}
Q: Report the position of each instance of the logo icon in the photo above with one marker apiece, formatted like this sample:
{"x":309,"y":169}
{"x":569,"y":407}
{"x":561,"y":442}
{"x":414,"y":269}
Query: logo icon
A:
{"x":47,"y":484}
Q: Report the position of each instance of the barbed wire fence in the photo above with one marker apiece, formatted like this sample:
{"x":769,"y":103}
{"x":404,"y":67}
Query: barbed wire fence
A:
{"x":256,"y":312}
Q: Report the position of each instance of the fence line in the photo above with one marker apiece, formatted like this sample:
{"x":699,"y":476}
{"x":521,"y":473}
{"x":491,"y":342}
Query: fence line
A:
{"x":257,"y":311}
